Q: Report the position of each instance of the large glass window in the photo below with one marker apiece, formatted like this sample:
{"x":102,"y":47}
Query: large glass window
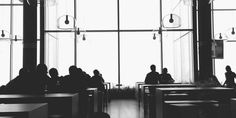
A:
{"x":129,"y":55}
{"x":138,"y":52}
{"x":224,"y":17}
{"x":99,"y":51}
{"x":11,"y":51}
{"x":139,"y":14}
{"x":178,"y":57}
{"x":96,"y":14}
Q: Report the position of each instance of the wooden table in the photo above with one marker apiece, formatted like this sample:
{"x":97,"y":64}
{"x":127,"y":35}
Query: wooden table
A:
{"x":145,"y":88}
{"x":220,"y":94}
{"x":65,"y":104}
{"x":138,"y":89}
{"x":24,"y":110}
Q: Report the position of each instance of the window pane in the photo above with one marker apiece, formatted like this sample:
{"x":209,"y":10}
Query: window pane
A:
{"x":138,"y":52}
{"x":229,"y":59}
{"x":5,"y":21}
{"x":4,"y":61}
{"x":224,"y":4}
{"x":99,"y":51}
{"x":51,"y":17}
{"x":65,"y":49}
{"x":177,"y":55}
{"x":228,"y":18}
{"x":5,"y":1}
{"x":17,"y":1}
{"x":52,"y":47}
{"x":139,"y":14}
{"x":18,"y":21}
{"x":97,"y":14}
{"x":17,"y":57}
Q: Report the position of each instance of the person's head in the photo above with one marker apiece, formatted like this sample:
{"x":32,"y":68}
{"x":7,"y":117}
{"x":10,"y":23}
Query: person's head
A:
{"x":41,"y":69}
{"x":72,"y":70}
{"x":227,"y":68}
{"x":53,"y":72}
{"x":23,"y":71}
{"x":164,"y":70}
{"x":100,"y":115}
{"x":96,"y":72}
{"x":153,"y":67}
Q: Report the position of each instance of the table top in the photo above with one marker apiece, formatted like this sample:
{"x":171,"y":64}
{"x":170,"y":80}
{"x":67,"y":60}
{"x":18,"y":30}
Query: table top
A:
{"x":49,"y":95}
{"x":194,"y":88}
{"x":170,"y":85}
{"x":6,"y":108}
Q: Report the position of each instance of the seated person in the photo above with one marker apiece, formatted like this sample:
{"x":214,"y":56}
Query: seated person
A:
{"x":18,"y":84}
{"x":165,"y":77}
{"x":97,"y":81}
{"x":54,"y":83}
{"x":230,"y":76}
{"x":153,"y":76}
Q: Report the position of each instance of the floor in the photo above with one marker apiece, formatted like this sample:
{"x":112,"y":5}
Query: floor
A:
{"x":124,"y":108}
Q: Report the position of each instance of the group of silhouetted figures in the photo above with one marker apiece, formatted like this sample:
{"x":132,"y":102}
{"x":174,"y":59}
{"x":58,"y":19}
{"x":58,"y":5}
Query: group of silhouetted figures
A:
{"x":38,"y":81}
{"x":154,"y":77}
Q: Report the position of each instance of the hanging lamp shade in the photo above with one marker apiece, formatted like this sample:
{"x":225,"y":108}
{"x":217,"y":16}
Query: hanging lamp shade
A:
{"x":5,"y":35}
{"x":231,"y":33}
{"x":66,"y":22}
{"x":171,"y":21}
{"x":220,"y":36}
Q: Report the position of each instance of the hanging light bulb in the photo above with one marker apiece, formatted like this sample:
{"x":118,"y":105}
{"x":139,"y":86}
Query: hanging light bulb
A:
{"x":233,"y":32}
{"x":83,"y":38}
{"x":171,"y":20}
{"x":3,"y":34}
{"x":230,"y":33}
{"x":67,"y":20}
{"x":78,"y":32}
{"x":15,"y":38}
{"x":220,"y":36}
{"x":154,"y":36}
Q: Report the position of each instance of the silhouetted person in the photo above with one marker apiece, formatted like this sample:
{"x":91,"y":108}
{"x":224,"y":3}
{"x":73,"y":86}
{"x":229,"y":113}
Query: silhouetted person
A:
{"x":229,"y":75}
{"x":75,"y":81}
{"x":97,"y":81}
{"x":165,"y":77}
{"x":19,"y":84}
{"x":152,"y":77}
{"x":54,"y":83}
{"x":40,"y":79}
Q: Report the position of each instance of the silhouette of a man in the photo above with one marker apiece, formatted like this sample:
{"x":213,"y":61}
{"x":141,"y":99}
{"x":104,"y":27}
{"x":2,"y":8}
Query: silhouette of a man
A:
{"x":152,"y":77}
